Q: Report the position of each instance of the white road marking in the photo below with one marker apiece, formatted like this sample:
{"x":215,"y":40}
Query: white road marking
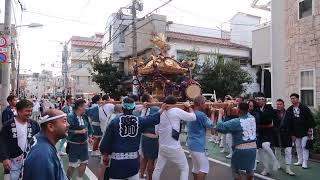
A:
{"x":228,"y":165}
{"x":90,"y":174}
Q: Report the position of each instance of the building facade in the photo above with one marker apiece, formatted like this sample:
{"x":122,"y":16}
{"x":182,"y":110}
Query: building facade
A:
{"x":302,"y":24}
{"x":241,"y":28}
{"x":81,"y":51}
{"x":37,"y":84}
{"x":185,"y":38}
{"x":114,"y":37}
{"x":207,"y":47}
{"x":291,"y":50}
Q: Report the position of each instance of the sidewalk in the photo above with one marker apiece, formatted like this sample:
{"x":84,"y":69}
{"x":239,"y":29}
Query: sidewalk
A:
{"x":313,"y":173}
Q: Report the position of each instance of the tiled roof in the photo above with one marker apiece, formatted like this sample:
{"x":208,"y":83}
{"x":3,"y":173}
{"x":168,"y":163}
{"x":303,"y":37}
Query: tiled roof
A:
{"x":204,"y":39}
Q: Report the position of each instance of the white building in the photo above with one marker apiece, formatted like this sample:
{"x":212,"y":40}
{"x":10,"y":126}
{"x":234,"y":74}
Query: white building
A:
{"x":114,"y":38}
{"x":233,"y":45}
{"x":291,"y":50}
{"x":37,"y":84}
{"x":81,"y":50}
{"x":58,"y":85}
{"x":241,"y":28}
{"x":184,"y":38}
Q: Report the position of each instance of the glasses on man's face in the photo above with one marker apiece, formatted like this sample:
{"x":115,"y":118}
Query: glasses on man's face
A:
{"x":260,"y":99}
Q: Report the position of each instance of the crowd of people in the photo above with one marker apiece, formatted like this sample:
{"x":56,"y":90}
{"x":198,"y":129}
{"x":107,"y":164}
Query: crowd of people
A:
{"x":137,"y":137}
{"x":277,"y":130}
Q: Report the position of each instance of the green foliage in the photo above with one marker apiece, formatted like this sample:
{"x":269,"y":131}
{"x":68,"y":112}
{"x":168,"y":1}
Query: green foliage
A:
{"x":192,"y":55}
{"x":223,"y":77}
{"x":107,"y":76}
{"x":316,"y":145}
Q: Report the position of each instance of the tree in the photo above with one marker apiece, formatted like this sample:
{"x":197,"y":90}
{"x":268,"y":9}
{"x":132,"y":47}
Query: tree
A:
{"x":107,"y":76}
{"x":223,"y":77}
{"x":192,"y":55}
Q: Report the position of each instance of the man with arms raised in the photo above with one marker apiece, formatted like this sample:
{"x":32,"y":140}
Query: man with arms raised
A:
{"x":169,"y":145}
{"x":243,"y":130}
{"x":122,"y":139}
{"x":197,"y":139}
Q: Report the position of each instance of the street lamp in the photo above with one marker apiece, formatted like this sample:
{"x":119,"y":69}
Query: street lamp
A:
{"x":31,"y":25}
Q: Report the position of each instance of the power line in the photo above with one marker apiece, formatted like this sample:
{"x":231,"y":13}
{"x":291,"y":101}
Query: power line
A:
{"x":94,"y":54}
{"x":105,"y":45}
{"x":199,"y":15}
{"x":56,"y":17}
{"x":79,"y":58}
{"x":102,"y":47}
{"x":111,"y":39}
{"x":93,"y":46}
{"x":109,"y":42}
{"x":115,"y":37}
{"x":114,"y":21}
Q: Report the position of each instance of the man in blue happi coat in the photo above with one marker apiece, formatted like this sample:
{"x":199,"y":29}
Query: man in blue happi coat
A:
{"x":122,"y":139}
{"x":243,"y":130}
{"x":66,"y":109}
{"x":93,"y":114}
{"x":42,"y":161}
{"x":15,"y":135}
{"x":10,"y":111}
{"x":69,"y":106}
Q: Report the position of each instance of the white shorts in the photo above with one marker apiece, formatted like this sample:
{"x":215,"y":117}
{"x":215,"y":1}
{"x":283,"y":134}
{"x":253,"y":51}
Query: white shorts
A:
{"x":77,"y":164}
{"x":200,"y":162}
{"x":135,"y":177}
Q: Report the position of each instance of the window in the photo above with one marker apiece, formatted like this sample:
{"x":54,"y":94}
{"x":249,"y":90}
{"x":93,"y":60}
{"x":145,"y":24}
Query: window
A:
{"x":305,"y":8}
{"x":89,"y":80}
{"x":122,"y":36}
{"x":77,"y":80}
{"x":243,"y":62}
{"x":307,"y":87}
{"x":80,"y":65}
{"x":80,"y":50}
{"x":110,"y":32}
{"x":181,"y":56}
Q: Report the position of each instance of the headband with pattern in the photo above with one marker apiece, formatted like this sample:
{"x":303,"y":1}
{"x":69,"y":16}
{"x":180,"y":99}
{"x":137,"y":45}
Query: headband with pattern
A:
{"x":48,"y":118}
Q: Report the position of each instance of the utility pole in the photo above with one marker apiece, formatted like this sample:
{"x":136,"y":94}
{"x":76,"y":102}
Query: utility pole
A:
{"x":5,"y":80}
{"x":134,"y":42}
{"x":65,"y":69}
{"x":221,"y":31}
{"x":134,"y":29}
{"x":18,"y":75}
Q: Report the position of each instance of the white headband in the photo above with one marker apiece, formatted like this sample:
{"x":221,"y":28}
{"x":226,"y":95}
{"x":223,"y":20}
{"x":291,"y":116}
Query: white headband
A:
{"x":48,"y":118}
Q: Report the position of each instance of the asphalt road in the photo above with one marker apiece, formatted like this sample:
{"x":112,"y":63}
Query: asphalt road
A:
{"x":217,"y":171}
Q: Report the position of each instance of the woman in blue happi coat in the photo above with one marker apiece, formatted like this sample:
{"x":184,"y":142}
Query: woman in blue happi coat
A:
{"x":93,"y":114}
{"x":79,"y":137}
{"x":243,"y":130}
{"x":149,"y":140}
